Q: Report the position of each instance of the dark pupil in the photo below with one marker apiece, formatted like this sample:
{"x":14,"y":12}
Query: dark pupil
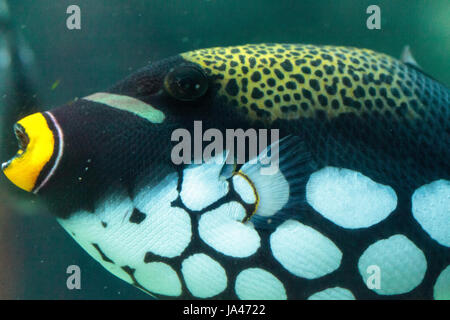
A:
{"x":186,"y":83}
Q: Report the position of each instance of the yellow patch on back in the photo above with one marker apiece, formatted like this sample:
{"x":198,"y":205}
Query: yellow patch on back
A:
{"x":24,"y":169}
{"x":290,"y":81}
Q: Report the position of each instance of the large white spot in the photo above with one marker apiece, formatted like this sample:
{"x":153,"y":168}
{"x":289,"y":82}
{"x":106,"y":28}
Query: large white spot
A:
{"x":304,"y":251}
{"x":335,"y":293}
{"x":204,"y":276}
{"x":431,"y":208}
{"x":202,"y":185}
{"x":244,"y":189}
{"x":165,"y":231}
{"x":401,"y":265}
{"x":348,"y":198}
{"x":442,"y":285}
{"x":159,"y":278}
{"x":223,"y":230}
{"x":259,"y":284}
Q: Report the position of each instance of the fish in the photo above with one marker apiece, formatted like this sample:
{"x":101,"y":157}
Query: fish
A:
{"x":356,"y":208}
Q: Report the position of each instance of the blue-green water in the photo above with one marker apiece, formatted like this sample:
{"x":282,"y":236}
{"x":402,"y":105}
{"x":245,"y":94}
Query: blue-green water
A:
{"x":118,"y":37}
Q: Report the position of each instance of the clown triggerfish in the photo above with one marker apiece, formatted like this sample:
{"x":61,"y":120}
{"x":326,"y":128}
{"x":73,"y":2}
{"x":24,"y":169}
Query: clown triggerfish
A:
{"x":359,"y":206}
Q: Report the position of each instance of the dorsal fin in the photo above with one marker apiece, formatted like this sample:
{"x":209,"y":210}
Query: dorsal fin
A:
{"x":407,"y":58}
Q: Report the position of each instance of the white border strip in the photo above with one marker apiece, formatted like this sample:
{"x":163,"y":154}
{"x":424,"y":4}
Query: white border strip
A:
{"x":60,"y":152}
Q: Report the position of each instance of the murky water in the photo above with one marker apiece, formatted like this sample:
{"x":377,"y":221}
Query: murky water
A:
{"x":117,"y":38}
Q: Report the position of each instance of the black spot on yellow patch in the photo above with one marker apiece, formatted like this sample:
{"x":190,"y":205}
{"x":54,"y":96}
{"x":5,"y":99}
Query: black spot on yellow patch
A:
{"x":286,"y":65}
{"x":306,"y":70}
{"x":257,"y":94}
{"x":232,"y":88}
{"x":314,"y":84}
{"x":316,"y":62}
{"x":359,"y":92}
{"x":268,"y":103}
{"x":279,"y":74}
{"x":291,"y":85}
{"x":323,"y":100}
{"x":347,"y":82}
{"x":256,"y":76}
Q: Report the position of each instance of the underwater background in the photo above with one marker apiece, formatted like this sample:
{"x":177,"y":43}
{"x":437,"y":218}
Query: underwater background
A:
{"x":118,"y":37}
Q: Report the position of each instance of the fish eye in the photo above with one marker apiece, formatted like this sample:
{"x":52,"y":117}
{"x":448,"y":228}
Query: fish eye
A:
{"x":186,"y":83}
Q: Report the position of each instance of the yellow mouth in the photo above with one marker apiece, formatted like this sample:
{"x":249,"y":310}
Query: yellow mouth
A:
{"x":36,"y":146}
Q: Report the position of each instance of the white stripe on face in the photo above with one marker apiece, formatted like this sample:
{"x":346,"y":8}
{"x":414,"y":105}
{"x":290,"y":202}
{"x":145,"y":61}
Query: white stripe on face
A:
{"x":129,"y":104}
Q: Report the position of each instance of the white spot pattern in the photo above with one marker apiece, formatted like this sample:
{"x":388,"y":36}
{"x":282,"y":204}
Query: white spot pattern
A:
{"x":335,"y":293}
{"x":259,"y":284}
{"x":159,"y":278}
{"x":442,"y":286}
{"x":401,"y":264}
{"x":165,"y":231}
{"x":204,"y":276}
{"x":348,"y":198}
{"x":202,"y":185}
{"x":223,"y":230}
{"x":244,"y":189}
{"x":431,"y":208}
{"x":304,"y":251}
